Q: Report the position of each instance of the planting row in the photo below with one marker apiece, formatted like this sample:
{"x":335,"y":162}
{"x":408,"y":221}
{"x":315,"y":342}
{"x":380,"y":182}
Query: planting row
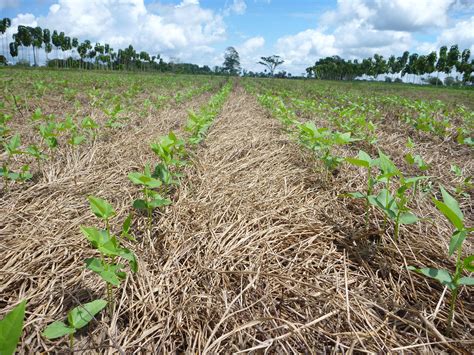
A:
{"x":387,"y":190}
{"x":157,"y":185}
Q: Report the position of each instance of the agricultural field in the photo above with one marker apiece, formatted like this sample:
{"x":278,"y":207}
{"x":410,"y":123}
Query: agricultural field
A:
{"x":152,"y":213}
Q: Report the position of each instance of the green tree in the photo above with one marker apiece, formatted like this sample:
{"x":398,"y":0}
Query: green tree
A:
{"x":231,"y":61}
{"x":4,"y":25}
{"x":271,"y":63}
{"x":452,"y":59}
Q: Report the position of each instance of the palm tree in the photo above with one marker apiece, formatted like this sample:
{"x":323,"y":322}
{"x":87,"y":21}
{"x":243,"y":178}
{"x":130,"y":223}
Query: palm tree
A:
{"x":431,"y":64}
{"x":14,"y":49}
{"x":442,"y":60}
{"x":465,"y":68}
{"x":75,"y":44}
{"x":453,"y":59}
{"x":4,"y":25}
{"x":37,"y":42}
{"x":47,"y":42}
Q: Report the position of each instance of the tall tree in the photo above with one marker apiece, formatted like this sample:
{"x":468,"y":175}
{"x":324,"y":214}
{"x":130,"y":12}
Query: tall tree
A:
{"x":231,"y":61}
{"x":47,"y":42}
{"x":36,"y":41}
{"x":5,"y":23}
{"x":271,"y":63}
{"x":441,"y":64}
{"x":452,"y":59}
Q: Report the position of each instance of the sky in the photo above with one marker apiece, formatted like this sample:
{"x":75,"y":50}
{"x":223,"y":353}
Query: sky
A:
{"x":301,"y":32}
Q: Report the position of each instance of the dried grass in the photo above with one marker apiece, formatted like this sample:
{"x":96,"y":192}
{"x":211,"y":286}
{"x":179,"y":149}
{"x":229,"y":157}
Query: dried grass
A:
{"x":257,"y":253}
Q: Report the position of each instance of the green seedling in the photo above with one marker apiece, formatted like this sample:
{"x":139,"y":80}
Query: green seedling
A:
{"x":449,"y":207}
{"x":465,"y":184}
{"x":109,"y":247}
{"x":4,"y":129}
{"x":90,"y":125}
{"x":394,"y":206}
{"x":415,"y":159}
{"x":48,"y":132}
{"x":152,"y":199}
{"x":10,"y":329}
{"x":365,"y":161}
{"x":12,"y":148}
{"x":34,"y":151}
{"x":321,"y":141}
{"x":113,"y":115}
{"x":77,"y":318}
{"x":170,"y":149}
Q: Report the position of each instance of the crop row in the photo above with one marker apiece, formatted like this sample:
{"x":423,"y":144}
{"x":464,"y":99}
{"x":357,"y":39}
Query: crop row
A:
{"x":50,"y":132}
{"x":387,"y":190}
{"x":157,"y":185}
{"x":434,"y":117}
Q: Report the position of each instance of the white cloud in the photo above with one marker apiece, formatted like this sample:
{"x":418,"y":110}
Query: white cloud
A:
{"x":251,"y":45}
{"x":250,"y":52}
{"x":237,"y":6}
{"x":462,"y":34}
{"x":186,"y":31}
{"x":302,"y":49}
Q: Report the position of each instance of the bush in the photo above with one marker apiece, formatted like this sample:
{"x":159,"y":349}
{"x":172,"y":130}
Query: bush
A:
{"x":388,"y":79}
{"x":398,"y":80}
{"x":434,"y":81}
{"x":449,"y":81}
{"x":22,"y":63}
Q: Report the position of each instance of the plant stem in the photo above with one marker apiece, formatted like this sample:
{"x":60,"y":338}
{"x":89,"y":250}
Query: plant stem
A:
{"x":367,"y":203}
{"x":110,"y":299}
{"x":71,"y":342}
{"x":454,"y":294}
{"x":452,"y":306}
{"x":397,"y":226}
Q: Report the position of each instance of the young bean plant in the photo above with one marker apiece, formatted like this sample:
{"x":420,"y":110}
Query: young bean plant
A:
{"x":108,"y":245}
{"x":151,"y":199}
{"x":77,"y":318}
{"x":449,"y":207}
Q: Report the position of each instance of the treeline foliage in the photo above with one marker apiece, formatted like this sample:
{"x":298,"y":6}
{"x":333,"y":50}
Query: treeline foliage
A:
{"x":71,"y":53}
{"x":337,"y":68}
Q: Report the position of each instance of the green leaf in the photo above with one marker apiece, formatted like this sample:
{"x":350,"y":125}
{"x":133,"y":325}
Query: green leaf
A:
{"x":101,"y":208}
{"x":468,"y":263}
{"x":57,"y":330}
{"x":408,"y":218}
{"x":10,"y":329}
{"x":126,"y":227}
{"x":140,"y":204}
{"x":358,"y":162}
{"x":449,"y":214}
{"x":456,"y":241}
{"x":452,"y":204}
{"x":386,"y":165}
{"x":83,"y":314}
{"x":442,"y":276}
{"x":96,"y":236}
{"x":106,"y":271}
{"x":128,"y":255}
{"x":159,"y":202}
{"x":141,"y":179}
{"x":468,"y":281}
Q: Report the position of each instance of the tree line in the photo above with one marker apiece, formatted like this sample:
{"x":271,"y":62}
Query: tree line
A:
{"x":69,"y":52}
{"x":444,"y":61}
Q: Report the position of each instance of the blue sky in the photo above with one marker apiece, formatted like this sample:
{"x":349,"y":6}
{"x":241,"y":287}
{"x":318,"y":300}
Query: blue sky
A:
{"x":300,"y":31}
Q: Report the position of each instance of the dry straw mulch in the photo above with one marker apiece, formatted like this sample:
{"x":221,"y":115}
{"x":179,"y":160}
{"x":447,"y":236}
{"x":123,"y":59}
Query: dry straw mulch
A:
{"x":258,"y":252}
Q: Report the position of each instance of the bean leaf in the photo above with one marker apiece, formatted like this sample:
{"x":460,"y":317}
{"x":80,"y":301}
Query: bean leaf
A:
{"x":10,"y":329}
